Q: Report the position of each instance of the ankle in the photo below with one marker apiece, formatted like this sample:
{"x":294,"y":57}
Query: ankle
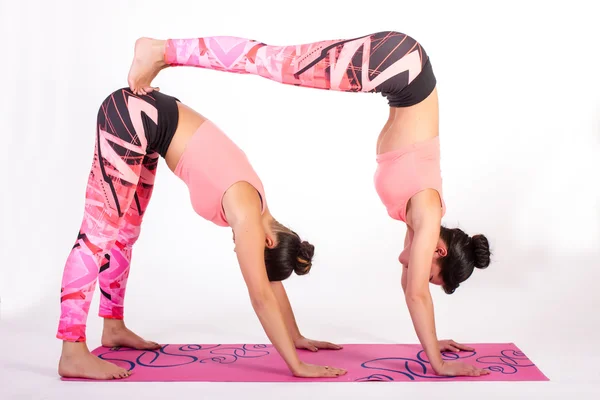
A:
{"x":111,"y":324}
{"x":70,"y":349}
{"x":159,"y":49}
{"x":154,"y":48}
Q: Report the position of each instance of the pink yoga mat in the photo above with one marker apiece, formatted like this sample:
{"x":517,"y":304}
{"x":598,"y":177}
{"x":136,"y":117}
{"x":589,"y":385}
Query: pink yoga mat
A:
{"x":364,"y":362}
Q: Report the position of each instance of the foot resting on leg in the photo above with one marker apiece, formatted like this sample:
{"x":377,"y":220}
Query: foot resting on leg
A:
{"x":148,"y":61}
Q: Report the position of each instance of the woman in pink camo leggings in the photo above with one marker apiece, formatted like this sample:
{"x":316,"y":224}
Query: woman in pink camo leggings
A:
{"x":133,"y":131}
{"x":408,"y":177}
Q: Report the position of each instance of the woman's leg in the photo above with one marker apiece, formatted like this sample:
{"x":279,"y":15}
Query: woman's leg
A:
{"x":113,"y":280}
{"x":365,"y":64}
{"x":119,"y":152}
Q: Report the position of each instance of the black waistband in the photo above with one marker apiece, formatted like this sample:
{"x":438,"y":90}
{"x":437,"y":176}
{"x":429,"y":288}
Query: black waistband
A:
{"x":416,"y":91}
{"x":168,"y":118}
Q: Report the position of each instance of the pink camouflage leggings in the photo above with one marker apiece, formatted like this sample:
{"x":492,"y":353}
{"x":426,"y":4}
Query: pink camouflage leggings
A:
{"x":118,"y":191}
{"x":390,"y":63}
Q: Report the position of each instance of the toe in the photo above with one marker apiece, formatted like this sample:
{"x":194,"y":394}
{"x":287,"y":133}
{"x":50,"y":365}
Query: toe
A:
{"x":148,"y":345}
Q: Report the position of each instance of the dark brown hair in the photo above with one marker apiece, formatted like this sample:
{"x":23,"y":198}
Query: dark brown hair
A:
{"x":291,"y":254}
{"x":465,"y":253}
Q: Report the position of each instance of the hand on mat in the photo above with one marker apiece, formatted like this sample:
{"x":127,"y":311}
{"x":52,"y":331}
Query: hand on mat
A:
{"x":458,"y":368}
{"x":314,"y":345}
{"x":317,"y":371}
{"x":451,"y":345}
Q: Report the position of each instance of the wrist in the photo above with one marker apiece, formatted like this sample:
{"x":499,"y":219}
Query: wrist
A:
{"x":434,"y":357}
{"x":295,"y":366}
{"x":437,"y":364}
{"x":297,"y":336}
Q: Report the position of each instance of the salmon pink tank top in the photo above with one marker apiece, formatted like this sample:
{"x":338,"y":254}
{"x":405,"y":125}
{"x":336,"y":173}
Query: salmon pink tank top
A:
{"x":404,"y":172}
{"x":210,"y":164}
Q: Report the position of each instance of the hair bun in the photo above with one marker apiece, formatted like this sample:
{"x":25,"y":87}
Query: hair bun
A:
{"x":304,"y":258}
{"x":306,"y":250}
{"x":481,"y":251}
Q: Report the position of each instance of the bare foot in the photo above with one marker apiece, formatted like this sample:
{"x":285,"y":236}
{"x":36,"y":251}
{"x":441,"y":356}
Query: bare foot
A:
{"x":116,"y":334}
{"x":148,"y":61}
{"x":76,"y":361}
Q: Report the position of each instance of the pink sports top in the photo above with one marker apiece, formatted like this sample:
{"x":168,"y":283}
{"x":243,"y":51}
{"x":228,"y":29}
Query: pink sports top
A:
{"x":404,"y":172}
{"x":210,"y":165}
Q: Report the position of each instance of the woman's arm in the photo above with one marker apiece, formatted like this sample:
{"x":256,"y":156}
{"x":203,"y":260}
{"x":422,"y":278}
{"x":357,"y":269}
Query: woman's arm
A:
{"x":250,"y":251}
{"x":290,"y":321}
{"x":286,"y":309}
{"x":405,"y":267}
{"x":242,"y":208}
{"x":426,"y":217}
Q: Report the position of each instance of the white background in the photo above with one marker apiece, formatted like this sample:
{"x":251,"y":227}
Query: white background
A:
{"x":518,"y":85}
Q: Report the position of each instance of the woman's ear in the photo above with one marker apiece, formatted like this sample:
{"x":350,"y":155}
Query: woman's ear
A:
{"x":269,"y":241}
{"x":441,"y":248}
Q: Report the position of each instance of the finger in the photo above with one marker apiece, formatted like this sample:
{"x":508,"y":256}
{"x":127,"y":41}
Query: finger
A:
{"x":449,"y":347}
{"x":463,"y":347}
{"x":326,"y":345}
{"x":157,"y":89}
{"x":460,"y":346}
{"x":477,"y":372}
{"x":312,"y":348}
{"x":331,"y":372}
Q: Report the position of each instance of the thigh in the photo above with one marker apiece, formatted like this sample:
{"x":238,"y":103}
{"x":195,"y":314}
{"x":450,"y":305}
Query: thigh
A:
{"x":125,"y":122}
